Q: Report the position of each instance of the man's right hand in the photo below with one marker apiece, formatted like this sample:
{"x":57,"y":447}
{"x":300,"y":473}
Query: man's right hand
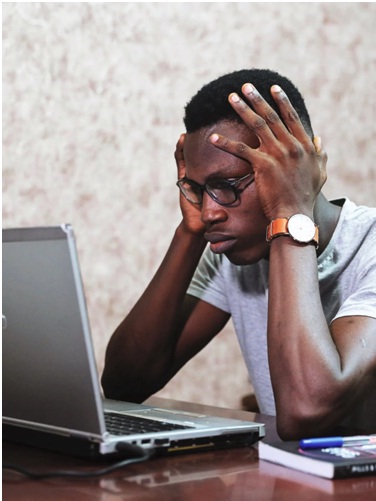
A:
{"x":191,"y":213}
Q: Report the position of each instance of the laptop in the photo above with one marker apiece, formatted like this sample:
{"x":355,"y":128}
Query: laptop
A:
{"x":51,"y":393}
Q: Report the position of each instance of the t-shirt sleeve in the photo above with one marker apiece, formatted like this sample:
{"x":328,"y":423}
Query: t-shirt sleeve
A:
{"x":208,"y":281}
{"x":361,"y":299}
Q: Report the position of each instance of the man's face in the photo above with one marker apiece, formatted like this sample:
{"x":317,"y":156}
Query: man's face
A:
{"x":237,"y":230}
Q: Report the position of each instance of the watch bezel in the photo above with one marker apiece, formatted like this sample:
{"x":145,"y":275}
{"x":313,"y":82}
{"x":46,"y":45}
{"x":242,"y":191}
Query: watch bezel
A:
{"x":303,"y":234}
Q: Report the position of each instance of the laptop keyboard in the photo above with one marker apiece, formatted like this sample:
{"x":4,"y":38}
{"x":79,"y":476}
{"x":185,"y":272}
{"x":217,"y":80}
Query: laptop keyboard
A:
{"x":121,"y":424}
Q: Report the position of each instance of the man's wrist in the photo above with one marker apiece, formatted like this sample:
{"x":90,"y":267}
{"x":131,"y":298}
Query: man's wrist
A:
{"x":299,"y":227}
{"x":196,"y":236}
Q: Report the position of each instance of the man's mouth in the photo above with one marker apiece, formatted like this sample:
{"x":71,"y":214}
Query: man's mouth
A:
{"x":220,"y":243}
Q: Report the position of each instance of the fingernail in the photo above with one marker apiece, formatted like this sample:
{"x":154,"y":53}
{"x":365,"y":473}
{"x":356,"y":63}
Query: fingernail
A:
{"x":277,"y":88}
{"x":248,"y":88}
{"x":214,"y":138}
{"x":234,"y":98}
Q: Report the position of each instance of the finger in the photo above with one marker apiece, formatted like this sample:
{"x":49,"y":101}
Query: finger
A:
{"x":236,"y":148}
{"x":254,"y":122}
{"x":179,"y":156}
{"x":264,"y":110}
{"x":289,"y":115}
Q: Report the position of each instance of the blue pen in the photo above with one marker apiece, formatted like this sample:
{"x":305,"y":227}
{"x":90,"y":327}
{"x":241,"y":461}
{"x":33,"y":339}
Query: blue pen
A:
{"x":320,"y":443}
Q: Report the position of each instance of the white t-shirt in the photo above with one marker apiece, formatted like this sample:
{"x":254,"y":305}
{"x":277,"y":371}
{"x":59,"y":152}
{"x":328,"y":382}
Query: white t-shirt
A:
{"x":347,"y":280}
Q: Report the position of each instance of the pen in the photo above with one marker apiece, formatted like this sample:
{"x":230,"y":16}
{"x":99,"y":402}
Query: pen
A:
{"x":319,"y":443}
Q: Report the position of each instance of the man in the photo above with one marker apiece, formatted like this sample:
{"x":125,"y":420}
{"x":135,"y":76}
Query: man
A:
{"x":296,"y":272}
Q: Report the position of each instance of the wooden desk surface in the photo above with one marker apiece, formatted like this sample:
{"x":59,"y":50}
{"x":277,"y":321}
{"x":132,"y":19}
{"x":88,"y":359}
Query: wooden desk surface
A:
{"x":234,"y":475}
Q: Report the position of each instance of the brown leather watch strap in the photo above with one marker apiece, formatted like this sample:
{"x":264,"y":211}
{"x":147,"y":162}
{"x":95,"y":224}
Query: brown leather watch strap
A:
{"x":279,"y":227}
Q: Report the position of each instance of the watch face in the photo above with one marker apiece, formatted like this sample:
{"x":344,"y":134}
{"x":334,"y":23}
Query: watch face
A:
{"x":301,"y":228}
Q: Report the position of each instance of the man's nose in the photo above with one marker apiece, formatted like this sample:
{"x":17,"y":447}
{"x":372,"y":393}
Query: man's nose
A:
{"x":212,"y":212}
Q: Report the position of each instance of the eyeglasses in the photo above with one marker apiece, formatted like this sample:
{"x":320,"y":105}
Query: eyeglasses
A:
{"x":224,"y":192}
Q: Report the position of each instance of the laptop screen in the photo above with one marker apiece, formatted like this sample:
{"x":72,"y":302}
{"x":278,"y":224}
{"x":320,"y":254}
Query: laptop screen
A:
{"x":49,"y":373}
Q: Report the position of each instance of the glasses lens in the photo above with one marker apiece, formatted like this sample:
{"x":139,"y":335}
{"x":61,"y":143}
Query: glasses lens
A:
{"x":221,"y":192}
{"x":191,"y":192}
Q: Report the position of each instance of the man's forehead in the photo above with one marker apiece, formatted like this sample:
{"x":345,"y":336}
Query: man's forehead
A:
{"x":204,"y":159}
{"x":232,"y":130}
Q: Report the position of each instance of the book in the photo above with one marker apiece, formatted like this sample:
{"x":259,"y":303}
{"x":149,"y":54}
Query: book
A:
{"x":364,"y":487}
{"x":329,"y":462}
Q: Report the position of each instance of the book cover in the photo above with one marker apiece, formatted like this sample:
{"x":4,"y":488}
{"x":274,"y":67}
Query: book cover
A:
{"x":330,"y":462}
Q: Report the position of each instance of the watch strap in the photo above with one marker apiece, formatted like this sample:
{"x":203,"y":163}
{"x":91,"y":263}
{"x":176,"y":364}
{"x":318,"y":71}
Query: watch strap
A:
{"x":279,"y":227}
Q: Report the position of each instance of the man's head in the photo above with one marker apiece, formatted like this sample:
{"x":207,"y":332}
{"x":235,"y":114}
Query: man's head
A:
{"x":236,"y":229}
{"x":210,"y":105}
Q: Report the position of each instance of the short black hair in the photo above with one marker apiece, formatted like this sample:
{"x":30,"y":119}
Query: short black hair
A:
{"x":210,"y":105}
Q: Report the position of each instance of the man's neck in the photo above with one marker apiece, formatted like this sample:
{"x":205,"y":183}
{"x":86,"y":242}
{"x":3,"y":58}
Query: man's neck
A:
{"x":326,"y":216}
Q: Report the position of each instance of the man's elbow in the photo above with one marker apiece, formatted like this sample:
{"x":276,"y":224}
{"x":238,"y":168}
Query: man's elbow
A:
{"x":303,"y":420}
{"x":130,"y":390}
{"x":293,"y":427}
{"x":111,"y":388}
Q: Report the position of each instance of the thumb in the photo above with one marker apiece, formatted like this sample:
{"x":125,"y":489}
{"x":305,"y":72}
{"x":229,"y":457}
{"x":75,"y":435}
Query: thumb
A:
{"x":317,"y":143}
{"x":322,"y":157}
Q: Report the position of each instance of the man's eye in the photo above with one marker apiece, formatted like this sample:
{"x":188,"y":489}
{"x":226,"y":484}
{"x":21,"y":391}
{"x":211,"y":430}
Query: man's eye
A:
{"x":219,"y":185}
{"x":192,"y":187}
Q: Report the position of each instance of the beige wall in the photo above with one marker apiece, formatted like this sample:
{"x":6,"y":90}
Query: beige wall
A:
{"x":92,"y":107}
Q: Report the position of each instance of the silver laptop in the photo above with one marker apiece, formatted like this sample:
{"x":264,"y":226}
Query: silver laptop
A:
{"x":51,"y":391}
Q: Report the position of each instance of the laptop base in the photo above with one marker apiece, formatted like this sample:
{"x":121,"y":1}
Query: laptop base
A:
{"x":75,"y":446}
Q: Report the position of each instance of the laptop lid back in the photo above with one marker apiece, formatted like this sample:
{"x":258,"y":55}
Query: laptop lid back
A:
{"x":49,"y":382}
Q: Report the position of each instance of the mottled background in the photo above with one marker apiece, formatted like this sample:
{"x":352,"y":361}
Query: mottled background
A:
{"x":93,"y":97}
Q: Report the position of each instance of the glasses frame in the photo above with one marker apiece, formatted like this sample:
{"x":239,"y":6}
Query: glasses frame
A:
{"x":233,"y":185}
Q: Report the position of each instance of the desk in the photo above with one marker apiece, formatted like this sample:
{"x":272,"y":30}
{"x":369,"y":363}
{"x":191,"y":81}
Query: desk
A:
{"x":229,"y":475}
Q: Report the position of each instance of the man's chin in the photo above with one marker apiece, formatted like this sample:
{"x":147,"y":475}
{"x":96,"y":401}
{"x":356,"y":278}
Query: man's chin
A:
{"x":247,"y":257}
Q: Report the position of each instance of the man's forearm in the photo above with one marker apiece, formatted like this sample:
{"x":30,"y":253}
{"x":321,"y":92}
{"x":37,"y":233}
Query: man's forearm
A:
{"x":305,"y":365}
{"x":142,"y":348}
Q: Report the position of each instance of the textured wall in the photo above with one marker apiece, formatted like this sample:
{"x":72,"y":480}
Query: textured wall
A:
{"x":93,"y":95}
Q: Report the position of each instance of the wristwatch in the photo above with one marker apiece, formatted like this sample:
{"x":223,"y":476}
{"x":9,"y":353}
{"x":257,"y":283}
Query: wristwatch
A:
{"x":299,"y":227}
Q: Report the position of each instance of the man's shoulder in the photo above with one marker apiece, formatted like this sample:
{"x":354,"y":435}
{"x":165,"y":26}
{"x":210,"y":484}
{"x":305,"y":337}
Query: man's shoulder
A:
{"x":353,"y":212}
{"x":357,"y":223}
